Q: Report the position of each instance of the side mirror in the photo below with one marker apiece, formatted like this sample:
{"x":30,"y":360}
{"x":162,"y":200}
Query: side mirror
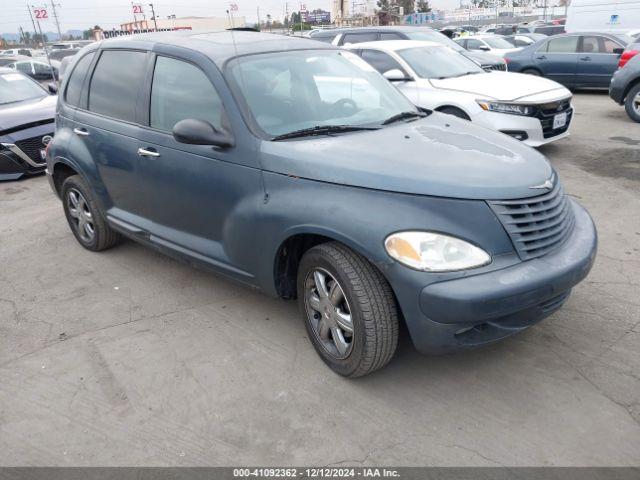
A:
{"x":53,"y":88}
{"x":395,"y":75}
{"x":618,"y":51}
{"x":199,"y":132}
{"x":484,"y":48}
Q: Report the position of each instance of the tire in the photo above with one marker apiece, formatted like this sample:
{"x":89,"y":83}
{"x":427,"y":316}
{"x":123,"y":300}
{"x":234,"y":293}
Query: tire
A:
{"x":81,"y":209}
{"x":456,"y":112}
{"x":532,"y":71}
{"x":359,"y":290}
{"x":632,"y":103}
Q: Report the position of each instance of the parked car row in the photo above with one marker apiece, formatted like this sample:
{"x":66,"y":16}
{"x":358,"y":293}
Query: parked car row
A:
{"x":297,"y":168}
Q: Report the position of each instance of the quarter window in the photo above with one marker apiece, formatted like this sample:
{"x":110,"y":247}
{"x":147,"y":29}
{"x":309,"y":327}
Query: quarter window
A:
{"x":76,"y":80}
{"x":563,"y":45}
{"x":179,"y":91}
{"x":115,"y":82}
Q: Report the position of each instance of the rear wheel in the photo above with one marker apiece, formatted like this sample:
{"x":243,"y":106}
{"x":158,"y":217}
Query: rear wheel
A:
{"x":455,"y":111}
{"x":532,"y":71}
{"x":84,"y":217}
{"x":632,"y":104}
{"x":349,"y":309}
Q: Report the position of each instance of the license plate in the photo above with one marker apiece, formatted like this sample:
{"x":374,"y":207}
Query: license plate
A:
{"x":43,"y":154}
{"x":559,"y":120}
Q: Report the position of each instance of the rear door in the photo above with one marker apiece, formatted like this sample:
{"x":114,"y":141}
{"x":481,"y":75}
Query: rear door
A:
{"x":597,"y":61}
{"x":107,"y":127}
{"x":557,"y":59}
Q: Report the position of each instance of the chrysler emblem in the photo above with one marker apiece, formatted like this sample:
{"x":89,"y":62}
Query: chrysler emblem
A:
{"x":548,"y":184}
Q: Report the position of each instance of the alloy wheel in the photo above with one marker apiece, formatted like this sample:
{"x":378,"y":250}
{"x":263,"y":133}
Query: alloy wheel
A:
{"x":636,"y":103}
{"x":329,"y":313}
{"x":82,"y":218}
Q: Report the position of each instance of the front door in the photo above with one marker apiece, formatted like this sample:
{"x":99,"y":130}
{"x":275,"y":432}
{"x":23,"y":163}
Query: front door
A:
{"x":192,"y":194}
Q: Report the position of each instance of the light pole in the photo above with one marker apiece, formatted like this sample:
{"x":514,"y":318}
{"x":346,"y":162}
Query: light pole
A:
{"x":153,"y":12}
{"x":172,"y":17}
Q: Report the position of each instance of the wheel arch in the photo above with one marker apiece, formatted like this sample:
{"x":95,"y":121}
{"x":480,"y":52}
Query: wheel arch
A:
{"x":633,"y":83}
{"x":60,"y":171}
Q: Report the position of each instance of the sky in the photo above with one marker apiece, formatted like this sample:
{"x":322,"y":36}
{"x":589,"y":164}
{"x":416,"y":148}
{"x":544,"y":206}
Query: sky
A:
{"x":83,"y":14}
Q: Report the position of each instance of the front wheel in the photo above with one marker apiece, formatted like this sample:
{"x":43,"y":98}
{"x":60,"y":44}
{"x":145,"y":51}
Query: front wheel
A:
{"x":632,"y":104}
{"x":350,"y":311}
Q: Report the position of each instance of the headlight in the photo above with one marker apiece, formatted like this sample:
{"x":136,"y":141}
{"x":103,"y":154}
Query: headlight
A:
{"x":512,"y":108}
{"x":434,"y":252}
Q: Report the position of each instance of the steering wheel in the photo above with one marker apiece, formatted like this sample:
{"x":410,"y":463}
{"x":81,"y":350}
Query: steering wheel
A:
{"x":343,"y":107}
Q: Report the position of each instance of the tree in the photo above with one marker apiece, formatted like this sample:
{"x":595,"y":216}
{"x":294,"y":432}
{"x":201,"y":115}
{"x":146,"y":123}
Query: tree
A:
{"x":423,"y":6}
{"x":384,"y":7}
{"x":408,"y":6}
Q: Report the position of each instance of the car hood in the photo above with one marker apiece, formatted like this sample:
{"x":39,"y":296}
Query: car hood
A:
{"x":482,"y":58}
{"x":439,"y":155}
{"x":15,"y":114}
{"x":505,"y":86}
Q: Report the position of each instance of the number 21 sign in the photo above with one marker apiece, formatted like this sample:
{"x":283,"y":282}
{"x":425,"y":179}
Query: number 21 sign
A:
{"x":137,"y":8}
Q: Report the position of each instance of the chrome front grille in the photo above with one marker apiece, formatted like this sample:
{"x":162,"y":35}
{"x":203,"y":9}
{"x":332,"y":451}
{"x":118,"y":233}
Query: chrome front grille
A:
{"x":495,"y":66}
{"x":31,"y":147}
{"x":536,"y":225}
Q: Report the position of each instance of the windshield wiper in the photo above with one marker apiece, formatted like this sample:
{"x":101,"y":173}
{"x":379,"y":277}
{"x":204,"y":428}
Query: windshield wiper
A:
{"x":322,"y":130}
{"x":402,"y":116}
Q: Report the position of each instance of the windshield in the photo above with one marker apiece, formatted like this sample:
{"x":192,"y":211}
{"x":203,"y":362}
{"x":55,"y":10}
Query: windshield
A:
{"x":497,"y":42}
{"x":290,"y":91}
{"x":427,"y":36}
{"x":438,"y":62}
{"x":15,"y":87}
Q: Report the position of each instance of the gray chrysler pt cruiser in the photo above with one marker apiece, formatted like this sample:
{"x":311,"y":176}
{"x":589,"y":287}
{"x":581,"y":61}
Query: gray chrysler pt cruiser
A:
{"x":297,"y":169}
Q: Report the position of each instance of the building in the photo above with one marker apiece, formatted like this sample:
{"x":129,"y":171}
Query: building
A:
{"x":340,"y":10}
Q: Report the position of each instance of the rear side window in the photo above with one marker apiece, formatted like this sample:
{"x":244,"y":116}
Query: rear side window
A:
{"x":114,"y":85}
{"x":359,"y":37}
{"x":390,"y":36}
{"x":563,"y":45}
{"x":74,"y":85}
{"x":590,"y":45}
{"x":179,"y":91}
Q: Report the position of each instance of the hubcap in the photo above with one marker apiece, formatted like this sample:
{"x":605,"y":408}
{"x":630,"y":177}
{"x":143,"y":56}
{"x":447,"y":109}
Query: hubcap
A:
{"x":329,"y":313}
{"x":636,"y":103}
{"x":81,"y":215}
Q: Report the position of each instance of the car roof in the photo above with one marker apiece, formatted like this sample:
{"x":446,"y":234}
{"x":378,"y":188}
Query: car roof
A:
{"x":219,"y":46}
{"x":394,"y":45}
{"x":382,"y":28}
{"x":487,"y":35}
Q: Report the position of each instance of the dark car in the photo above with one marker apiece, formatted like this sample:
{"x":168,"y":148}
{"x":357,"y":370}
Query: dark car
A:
{"x":550,"y":30}
{"x":38,"y":70}
{"x":577,"y":60}
{"x":344,"y":36}
{"x":625,"y":87}
{"x":296,"y":168}
{"x":27,"y":114}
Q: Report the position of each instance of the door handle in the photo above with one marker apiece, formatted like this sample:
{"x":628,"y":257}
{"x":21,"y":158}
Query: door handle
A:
{"x":81,"y":131}
{"x":542,"y":57}
{"x":147,"y":153}
{"x":585,"y":59}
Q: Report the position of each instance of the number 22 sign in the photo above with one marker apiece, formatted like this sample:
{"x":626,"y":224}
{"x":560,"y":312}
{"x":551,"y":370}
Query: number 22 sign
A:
{"x":40,"y":13}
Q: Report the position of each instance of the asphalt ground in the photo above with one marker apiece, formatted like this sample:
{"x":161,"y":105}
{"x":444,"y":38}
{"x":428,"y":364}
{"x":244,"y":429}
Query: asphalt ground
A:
{"x":128,"y":357}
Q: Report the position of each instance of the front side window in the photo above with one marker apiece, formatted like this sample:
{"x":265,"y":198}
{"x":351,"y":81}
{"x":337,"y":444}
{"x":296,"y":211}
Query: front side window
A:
{"x":381,"y":61}
{"x":563,"y":45}
{"x":15,"y":87}
{"x":76,"y":80}
{"x":115,"y":82}
{"x":608,"y":45}
{"x":590,"y":45}
{"x":438,"y":62}
{"x":24,"y":67}
{"x":497,"y":42}
{"x":289,"y":91}
{"x":179,"y":91}
{"x":473,"y":44}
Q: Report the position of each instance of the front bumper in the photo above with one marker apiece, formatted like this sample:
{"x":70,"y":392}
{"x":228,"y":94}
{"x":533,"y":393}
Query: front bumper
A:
{"x":528,"y":129}
{"x":616,"y":88}
{"x":475,"y":310}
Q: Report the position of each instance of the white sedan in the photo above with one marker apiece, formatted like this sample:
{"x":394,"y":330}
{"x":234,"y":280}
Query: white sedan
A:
{"x":532,"y":109}
{"x":489,"y":43}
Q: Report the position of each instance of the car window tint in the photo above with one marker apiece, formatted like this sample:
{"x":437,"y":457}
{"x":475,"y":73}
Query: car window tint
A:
{"x":381,"y":61}
{"x":74,"y":85}
{"x":114,"y":84}
{"x":473,"y":44}
{"x":360,"y":37}
{"x":24,"y":67}
{"x":563,"y":45}
{"x":41,"y":68}
{"x":590,"y":45}
{"x":179,"y":91}
{"x":607,"y":45}
{"x":390,"y":36}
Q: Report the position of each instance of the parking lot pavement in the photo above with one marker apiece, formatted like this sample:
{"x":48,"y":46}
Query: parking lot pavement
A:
{"x":130,"y":358}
